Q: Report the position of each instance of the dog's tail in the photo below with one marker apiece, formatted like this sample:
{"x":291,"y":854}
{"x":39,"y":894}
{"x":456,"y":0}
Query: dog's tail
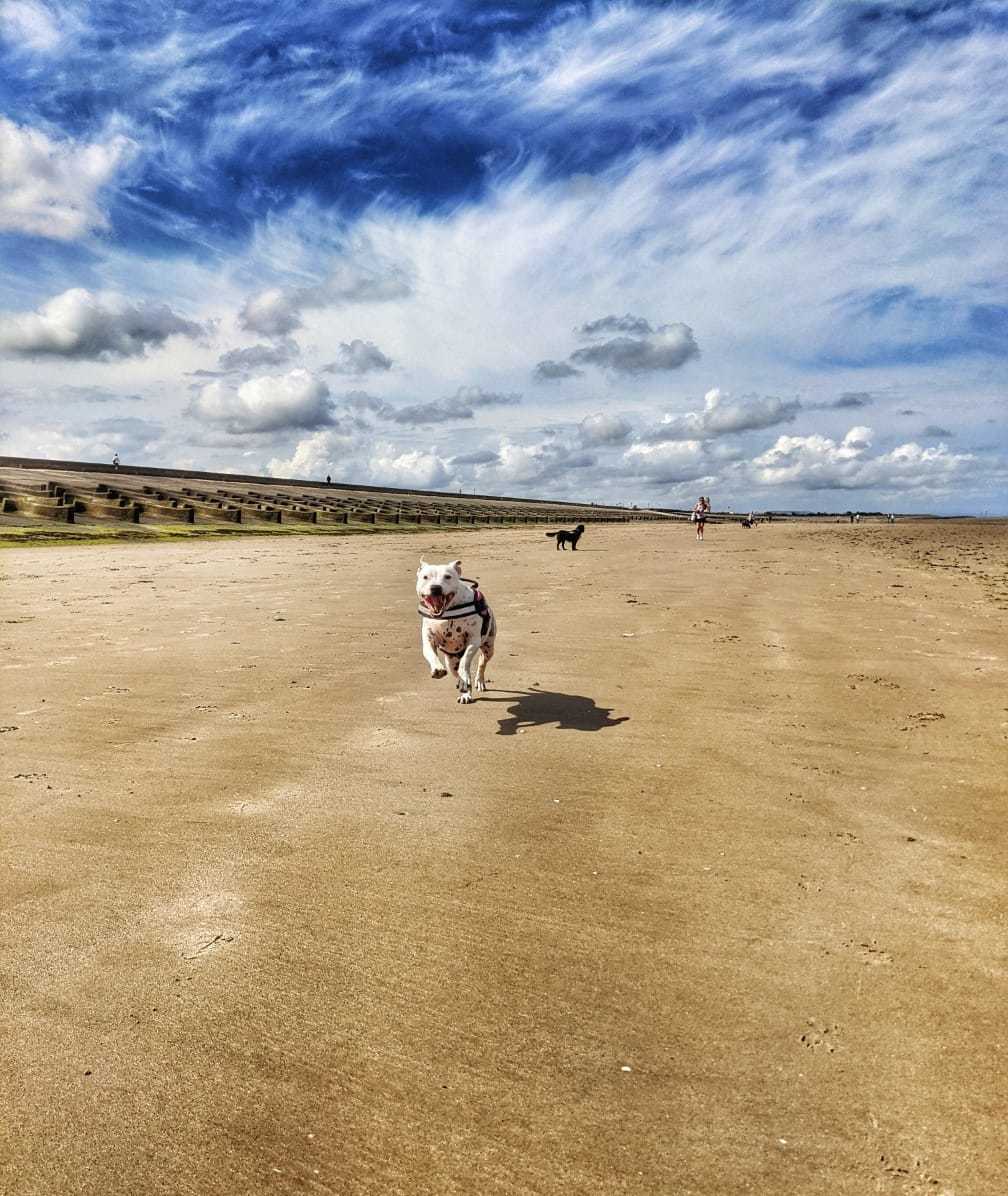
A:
{"x":552,"y":533}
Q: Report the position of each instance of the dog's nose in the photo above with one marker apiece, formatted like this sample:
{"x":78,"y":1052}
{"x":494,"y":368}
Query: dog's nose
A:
{"x":435,"y":591}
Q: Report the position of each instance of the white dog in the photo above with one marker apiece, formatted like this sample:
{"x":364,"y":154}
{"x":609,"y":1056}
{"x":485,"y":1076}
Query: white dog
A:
{"x":457,"y":623}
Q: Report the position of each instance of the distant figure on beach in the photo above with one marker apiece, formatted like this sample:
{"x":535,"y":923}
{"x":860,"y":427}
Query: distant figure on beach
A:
{"x":328,"y":479}
{"x":857,"y":517}
{"x":850,"y":515}
{"x":892,"y":517}
{"x":115,"y":460}
{"x":699,"y":516}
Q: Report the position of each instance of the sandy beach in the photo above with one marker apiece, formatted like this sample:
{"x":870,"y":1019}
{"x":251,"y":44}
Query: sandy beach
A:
{"x":707,"y":895}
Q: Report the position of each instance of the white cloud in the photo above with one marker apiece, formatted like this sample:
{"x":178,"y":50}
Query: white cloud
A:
{"x":631,"y":325}
{"x":273,"y":312}
{"x":257,"y":356}
{"x":531,"y":468}
{"x":415,"y":468}
{"x":26,"y":25}
{"x":350,"y":458}
{"x":359,"y":357}
{"x":49,"y":188}
{"x":821,"y":463}
{"x":266,"y":404}
{"x":723,"y":416}
{"x":99,"y":327}
{"x":460,"y":406}
{"x":671,"y":463}
{"x":667,"y":348}
{"x":315,"y":456}
{"x":602,"y":429}
{"x":368,"y":279}
{"x":551,"y":371}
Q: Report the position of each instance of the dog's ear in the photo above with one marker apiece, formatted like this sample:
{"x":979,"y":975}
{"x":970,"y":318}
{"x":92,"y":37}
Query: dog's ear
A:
{"x":423,"y":564}
{"x":457,"y":566}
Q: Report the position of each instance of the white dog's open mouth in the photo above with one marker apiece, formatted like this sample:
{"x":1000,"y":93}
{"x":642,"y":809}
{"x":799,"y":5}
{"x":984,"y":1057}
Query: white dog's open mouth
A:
{"x":435,"y":603}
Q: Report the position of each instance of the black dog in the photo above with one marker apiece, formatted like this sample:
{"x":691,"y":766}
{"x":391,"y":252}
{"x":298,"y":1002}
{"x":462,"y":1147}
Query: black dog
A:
{"x":565,"y":538}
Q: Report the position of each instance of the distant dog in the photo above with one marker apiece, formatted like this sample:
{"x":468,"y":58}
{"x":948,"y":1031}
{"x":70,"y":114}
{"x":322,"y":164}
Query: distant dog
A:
{"x":457,"y":626}
{"x":571,"y":538}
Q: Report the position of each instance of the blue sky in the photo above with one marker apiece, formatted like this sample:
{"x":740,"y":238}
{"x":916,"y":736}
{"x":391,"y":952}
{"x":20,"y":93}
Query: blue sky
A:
{"x":628,"y":252}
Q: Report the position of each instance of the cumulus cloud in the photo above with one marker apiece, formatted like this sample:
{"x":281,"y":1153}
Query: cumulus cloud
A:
{"x":602,"y":429}
{"x":667,"y":464}
{"x":99,"y":327}
{"x":531,"y":467}
{"x":277,"y":311}
{"x":50,"y":188}
{"x":462,"y":405}
{"x":414,"y":469}
{"x":550,"y":371}
{"x":259,"y":356}
{"x":821,"y":463}
{"x":358,"y":357}
{"x":348,"y":458}
{"x":266,"y":404}
{"x":315,"y":456}
{"x":272,"y":312}
{"x":723,"y":416}
{"x":632,"y":325}
{"x":851,"y":399}
{"x":668,"y":348}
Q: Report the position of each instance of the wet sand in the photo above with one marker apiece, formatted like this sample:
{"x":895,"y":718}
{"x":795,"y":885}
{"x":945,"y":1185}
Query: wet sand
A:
{"x":706,"y":896}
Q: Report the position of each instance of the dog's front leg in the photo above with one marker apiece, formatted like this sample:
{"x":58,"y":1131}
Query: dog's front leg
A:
{"x":437,"y":669}
{"x":466,"y":672}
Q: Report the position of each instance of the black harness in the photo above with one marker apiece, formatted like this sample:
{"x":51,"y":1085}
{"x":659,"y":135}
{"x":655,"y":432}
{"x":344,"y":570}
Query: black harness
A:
{"x":477,"y":605}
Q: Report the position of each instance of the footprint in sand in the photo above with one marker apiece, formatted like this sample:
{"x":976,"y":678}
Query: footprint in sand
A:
{"x":871,"y":954}
{"x":205,"y":913}
{"x":821,"y":1037}
{"x":921,"y":719}
{"x":866,"y":678}
{"x":912,"y":1176}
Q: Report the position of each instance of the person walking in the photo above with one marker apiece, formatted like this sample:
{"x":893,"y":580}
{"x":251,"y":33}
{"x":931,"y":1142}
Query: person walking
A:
{"x":115,"y":460}
{"x":699,"y":516}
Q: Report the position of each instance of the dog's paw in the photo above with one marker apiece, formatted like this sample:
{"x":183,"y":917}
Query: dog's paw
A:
{"x":481,"y":687}
{"x":465,"y":698}
{"x":437,"y":674}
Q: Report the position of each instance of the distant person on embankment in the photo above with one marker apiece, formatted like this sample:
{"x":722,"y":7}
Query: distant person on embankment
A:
{"x":115,"y":460}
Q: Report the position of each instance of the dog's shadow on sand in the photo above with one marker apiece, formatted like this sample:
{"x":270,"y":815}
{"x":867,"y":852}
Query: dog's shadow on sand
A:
{"x":541,"y":708}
